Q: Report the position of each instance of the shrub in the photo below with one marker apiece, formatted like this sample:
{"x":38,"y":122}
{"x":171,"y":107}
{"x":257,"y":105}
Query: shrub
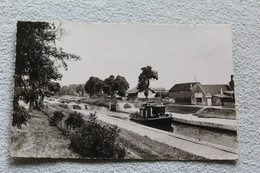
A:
{"x":76,"y":107}
{"x":75,"y":120}
{"x":20,"y":116}
{"x":127,"y":106}
{"x":57,"y":116}
{"x":94,"y":140}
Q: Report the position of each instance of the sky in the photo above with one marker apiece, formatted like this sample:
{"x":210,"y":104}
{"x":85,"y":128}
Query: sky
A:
{"x":179,"y":53}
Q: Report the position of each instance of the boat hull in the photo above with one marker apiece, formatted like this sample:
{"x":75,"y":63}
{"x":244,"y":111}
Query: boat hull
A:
{"x":166,"y":121}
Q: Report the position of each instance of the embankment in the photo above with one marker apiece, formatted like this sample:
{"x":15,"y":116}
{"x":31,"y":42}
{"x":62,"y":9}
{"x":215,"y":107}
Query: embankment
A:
{"x":182,"y":109}
{"x":223,"y":113}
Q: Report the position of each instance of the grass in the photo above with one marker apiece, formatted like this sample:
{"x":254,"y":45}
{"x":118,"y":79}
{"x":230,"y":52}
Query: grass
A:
{"x":39,"y":139}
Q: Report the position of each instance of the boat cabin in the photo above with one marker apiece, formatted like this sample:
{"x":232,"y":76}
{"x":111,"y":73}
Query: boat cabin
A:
{"x":152,"y":110}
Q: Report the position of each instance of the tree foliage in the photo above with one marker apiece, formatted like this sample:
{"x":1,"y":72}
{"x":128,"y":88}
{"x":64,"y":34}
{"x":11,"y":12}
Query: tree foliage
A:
{"x":121,"y":85}
{"x":80,"y":90}
{"x":118,"y":85}
{"x":108,"y":85}
{"x":93,"y":86}
{"x":37,"y":61}
{"x":53,"y":88}
{"x":144,"y":79}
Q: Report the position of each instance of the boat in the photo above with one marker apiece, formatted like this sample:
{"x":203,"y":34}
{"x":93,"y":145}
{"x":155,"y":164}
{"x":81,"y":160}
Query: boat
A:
{"x":152,"y":113}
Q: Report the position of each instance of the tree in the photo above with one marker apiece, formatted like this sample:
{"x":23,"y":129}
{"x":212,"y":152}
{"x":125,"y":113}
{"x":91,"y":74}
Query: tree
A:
{"x":80,"y":90}
{"x":144,"y":79}
{"x":108,"y":85}
{"x":121,"y":85}
{"x":93,"y":86}
{"x":53,"y":88}
{"x":37,"y":61}
{"x":112,"y":86}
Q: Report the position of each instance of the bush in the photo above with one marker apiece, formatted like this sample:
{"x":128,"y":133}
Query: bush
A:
{"x":57,"y":116}
{"x":20,"y":116}
{"x":94,"y":140}
{"x":64,"y":106}
{"x":75,"y":120}
{"x":76,"y":107}
{"x":127,"y":106}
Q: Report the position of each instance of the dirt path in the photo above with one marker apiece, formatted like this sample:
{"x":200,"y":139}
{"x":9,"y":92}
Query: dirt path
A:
{"x":39,"y":139}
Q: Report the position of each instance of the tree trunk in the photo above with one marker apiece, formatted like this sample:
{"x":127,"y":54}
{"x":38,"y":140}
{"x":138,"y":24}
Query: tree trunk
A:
{"x":30,"y":106}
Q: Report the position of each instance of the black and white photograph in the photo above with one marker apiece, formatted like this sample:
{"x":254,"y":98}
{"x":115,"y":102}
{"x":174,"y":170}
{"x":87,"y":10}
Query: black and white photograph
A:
{"x":124,"y":91}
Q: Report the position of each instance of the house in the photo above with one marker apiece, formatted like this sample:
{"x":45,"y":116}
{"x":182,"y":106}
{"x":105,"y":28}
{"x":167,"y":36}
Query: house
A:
{"x":133,"y":94}
{"x":181,"y":93}
{"x":209,"y":95}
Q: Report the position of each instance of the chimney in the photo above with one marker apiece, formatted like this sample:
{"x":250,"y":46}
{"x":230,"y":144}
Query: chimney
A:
{"x":231,"y":83}
{"x":221,"y":91}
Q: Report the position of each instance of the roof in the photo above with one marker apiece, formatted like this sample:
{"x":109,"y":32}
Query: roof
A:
{"x":152,"y":89}
{"x":158,"y":89}
{"x":221,"y":96}
{"x":215,"y":89}
{"x":183,"y":86}
{"x":229,"y":92}
{"x":151,"y":94}
{"x":132,"y":91}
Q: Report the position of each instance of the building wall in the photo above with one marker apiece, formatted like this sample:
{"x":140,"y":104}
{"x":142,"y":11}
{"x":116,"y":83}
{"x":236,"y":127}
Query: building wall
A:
{"x":132,"y":97}
{"x":183,"y":97}
{"x":194,"y":96}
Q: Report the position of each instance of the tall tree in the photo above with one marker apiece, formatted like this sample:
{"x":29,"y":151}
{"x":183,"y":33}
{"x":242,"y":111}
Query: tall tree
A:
{"x":93,"y":86}
{"x":144,"y":79}
{"x":37,"y":60}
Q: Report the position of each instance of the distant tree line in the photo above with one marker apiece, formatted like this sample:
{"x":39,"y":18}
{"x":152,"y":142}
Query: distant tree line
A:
{"x":111,"y":86}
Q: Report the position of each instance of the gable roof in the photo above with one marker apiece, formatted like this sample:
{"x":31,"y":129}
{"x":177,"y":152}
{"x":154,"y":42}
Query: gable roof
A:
{"x":158,"y":89}
{"x":183,"y":86}
{"x":215,"y":89}
{"x":151,"y":89}
{"x":132,"y":91}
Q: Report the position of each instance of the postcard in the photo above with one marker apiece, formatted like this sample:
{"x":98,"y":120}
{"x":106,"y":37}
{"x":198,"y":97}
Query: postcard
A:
{"x":124,"y":91}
